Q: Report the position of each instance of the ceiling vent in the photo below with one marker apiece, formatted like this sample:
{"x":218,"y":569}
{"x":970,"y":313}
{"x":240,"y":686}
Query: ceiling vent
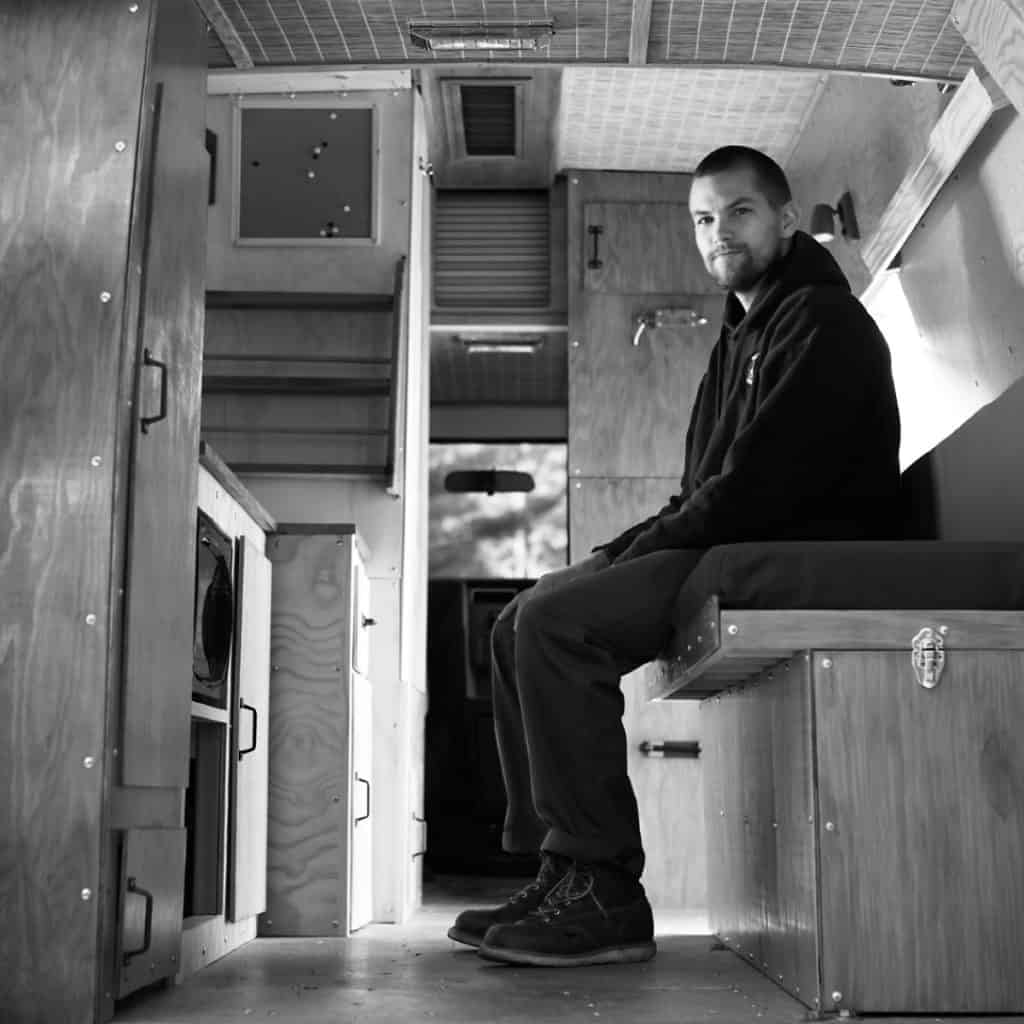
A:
{"x":484,"y":117}
{"x":489,"y":119}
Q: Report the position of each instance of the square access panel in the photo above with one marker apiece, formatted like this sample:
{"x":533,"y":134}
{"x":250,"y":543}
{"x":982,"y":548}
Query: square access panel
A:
{"x":306,"y":174}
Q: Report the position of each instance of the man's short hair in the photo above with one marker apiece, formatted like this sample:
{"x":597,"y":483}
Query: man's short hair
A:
{"x":770,"y":176}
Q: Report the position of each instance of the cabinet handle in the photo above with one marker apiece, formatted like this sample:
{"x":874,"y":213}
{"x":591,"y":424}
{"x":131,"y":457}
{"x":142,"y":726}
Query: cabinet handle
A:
{"x":366,"y":783}
{"x":149,"y":360}
{"x":147,"y":935}
{"x":595,"y":262}
{"x":255,"y":727}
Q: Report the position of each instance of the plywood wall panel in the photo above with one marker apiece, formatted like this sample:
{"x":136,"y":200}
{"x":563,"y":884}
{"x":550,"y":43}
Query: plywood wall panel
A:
{"x":309,"y":802}
{"x":921,"y":833}
{"x":64,"y":238}
{"x":629,"y":405}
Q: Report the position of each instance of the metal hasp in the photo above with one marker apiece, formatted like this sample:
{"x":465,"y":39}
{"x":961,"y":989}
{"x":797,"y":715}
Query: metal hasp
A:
{"x":670,"y":316}
{"x":928,"y":657}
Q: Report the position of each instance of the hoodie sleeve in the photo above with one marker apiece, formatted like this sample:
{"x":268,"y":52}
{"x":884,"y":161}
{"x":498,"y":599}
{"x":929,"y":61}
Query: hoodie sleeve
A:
{"x":615,"y":547}
{"x":822,"y":374}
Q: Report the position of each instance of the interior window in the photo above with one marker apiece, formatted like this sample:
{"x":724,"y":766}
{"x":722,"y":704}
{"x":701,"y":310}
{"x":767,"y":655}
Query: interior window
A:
{"x":505,"y":535}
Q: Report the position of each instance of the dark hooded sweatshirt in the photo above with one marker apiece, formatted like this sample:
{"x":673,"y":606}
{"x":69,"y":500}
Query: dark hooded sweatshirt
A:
{"x":795,"y":429}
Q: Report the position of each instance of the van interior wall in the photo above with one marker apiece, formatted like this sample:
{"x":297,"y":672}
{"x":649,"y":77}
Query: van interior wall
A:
{"x":961,"y":274}
{"x":360,"y":269}
{"x":357,"y":270}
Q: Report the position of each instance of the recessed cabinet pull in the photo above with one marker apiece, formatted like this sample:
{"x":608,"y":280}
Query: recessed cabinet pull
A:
{"x":147,"y":935}
{"x":147,"y":421}
{"x":255,"y":728}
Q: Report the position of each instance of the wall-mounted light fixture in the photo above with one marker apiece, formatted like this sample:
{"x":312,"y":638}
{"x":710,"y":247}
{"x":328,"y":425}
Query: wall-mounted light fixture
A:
{"x":823,"y":220}
{"x":463,"y":34}
{"x":524,"y":344}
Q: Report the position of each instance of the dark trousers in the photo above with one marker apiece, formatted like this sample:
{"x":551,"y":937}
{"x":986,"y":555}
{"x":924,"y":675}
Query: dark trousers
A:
{"x":558,"y":706}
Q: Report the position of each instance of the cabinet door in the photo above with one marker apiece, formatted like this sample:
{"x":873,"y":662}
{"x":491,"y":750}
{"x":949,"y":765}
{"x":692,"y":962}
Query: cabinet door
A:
{"x":150,"y":906}
{"x":247,"y":894}
{"x":361,"y":839}
{"x":165,"y":437}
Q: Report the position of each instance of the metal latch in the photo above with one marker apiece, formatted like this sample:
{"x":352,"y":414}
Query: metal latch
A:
{"x":928,"y":657}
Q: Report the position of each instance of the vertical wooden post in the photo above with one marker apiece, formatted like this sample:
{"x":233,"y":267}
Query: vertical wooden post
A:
{"x":71,"y":85}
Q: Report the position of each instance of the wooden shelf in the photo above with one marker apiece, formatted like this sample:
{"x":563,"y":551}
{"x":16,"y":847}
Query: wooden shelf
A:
{"x":208,"y":714}
{"x":300,"y":300}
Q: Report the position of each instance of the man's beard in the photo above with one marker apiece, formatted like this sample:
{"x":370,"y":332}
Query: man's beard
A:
{"x":738,"y":274}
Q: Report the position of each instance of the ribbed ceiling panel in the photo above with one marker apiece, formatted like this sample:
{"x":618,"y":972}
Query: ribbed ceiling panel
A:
{"x":491,"y":250}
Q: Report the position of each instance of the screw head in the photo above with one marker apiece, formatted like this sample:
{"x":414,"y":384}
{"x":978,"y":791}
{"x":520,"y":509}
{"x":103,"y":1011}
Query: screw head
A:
{"x":837,"y":996}
{"x":96,"y":461}
{"x":133,"y":8}
{"x":105,"y":296}
{"x":830,"y":826}
{"x":826,"y":662}
{"x":733,"y":629}
{"x":90,"y":619}
{"x":86,"y":895}
{"x":944,"y":630}
{"x":120,"y":146}
{"x":89,"y":761}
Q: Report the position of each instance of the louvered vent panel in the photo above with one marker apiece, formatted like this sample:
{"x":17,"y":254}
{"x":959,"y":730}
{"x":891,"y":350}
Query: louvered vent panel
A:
{"x":491,"y":249}
{"x":489,"y":119}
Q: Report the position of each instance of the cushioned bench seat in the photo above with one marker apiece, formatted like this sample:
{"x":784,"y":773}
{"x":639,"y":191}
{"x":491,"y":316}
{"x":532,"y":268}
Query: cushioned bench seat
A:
{"x":896,"y":583}
{"x":864,"y":805}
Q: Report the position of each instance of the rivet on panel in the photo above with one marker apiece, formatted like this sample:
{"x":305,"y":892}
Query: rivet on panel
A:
{"x":96,"y":461}
{"x":579,"y":486}
{"x":733,"y":629}
{"x":120,"y":146}
{"x":837,"y":996}
{"x":334,"y":924}
{"x":90,"y":619}
{"x":105,"y":296}
{"x":86,"y":895}
{"x":133,"y":8}
{"x":944,"y":630}
{"x":830,"y":826}
{"x":826,"y":662}
{"x":575,"y":181}
{"x":575,"y":343}
{"x":89,"y":761}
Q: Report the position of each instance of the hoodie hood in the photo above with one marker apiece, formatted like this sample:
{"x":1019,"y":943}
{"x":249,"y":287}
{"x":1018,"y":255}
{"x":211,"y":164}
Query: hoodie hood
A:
{"x":808,"y":263}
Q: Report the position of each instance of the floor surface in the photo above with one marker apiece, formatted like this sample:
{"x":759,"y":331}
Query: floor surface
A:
{"x":385,"y":974}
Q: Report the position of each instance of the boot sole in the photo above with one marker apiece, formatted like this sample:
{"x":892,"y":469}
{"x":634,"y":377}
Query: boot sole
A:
{"x":466,"y":938}
{"x":636,"y":953}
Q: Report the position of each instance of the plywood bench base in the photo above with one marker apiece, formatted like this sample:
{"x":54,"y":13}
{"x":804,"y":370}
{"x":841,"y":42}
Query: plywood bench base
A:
{"x":866,"y":833}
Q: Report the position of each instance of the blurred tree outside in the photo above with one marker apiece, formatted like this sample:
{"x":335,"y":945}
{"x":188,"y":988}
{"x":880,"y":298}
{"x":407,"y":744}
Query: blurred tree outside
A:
{"x":498,"y":536}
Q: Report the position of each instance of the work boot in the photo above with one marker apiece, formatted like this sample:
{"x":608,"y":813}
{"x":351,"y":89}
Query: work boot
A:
{"x":597,"y":914}
{"x":471,"y":925}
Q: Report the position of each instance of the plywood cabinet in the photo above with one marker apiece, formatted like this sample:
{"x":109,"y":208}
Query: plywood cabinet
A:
{"x":319,"y":859}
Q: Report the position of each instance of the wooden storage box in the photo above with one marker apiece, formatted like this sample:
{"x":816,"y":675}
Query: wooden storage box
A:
{"x":865,"y":831}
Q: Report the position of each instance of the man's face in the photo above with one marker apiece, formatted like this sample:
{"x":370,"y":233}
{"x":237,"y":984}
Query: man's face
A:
{"x":739,"y":233}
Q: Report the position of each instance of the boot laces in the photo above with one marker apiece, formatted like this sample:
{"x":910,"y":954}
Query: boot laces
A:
{"x":577,"y":883}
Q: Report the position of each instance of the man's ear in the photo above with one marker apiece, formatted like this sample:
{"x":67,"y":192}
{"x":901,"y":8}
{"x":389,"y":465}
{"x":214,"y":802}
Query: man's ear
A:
{"x":790,"y":214}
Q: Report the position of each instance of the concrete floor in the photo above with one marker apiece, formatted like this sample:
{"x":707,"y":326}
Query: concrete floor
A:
{"x":389,"y":973}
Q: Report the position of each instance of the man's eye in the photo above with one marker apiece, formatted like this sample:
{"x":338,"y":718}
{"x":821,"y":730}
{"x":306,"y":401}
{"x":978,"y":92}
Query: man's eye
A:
{"x":703,"y":220}
{"x":742,"y":209}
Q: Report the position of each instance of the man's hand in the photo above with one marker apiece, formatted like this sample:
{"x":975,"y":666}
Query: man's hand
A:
{"x":553,"y":580}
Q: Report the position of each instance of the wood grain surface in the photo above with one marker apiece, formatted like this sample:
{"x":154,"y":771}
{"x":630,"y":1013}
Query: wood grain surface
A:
{"x":629,"y":405}
{"x":63,"y":241}
{"x":170,"y":249}
{"x":922,"y":833}
{"x":994,"y":29}
{"x":247,"y":894}
{"x":309,"y":806}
